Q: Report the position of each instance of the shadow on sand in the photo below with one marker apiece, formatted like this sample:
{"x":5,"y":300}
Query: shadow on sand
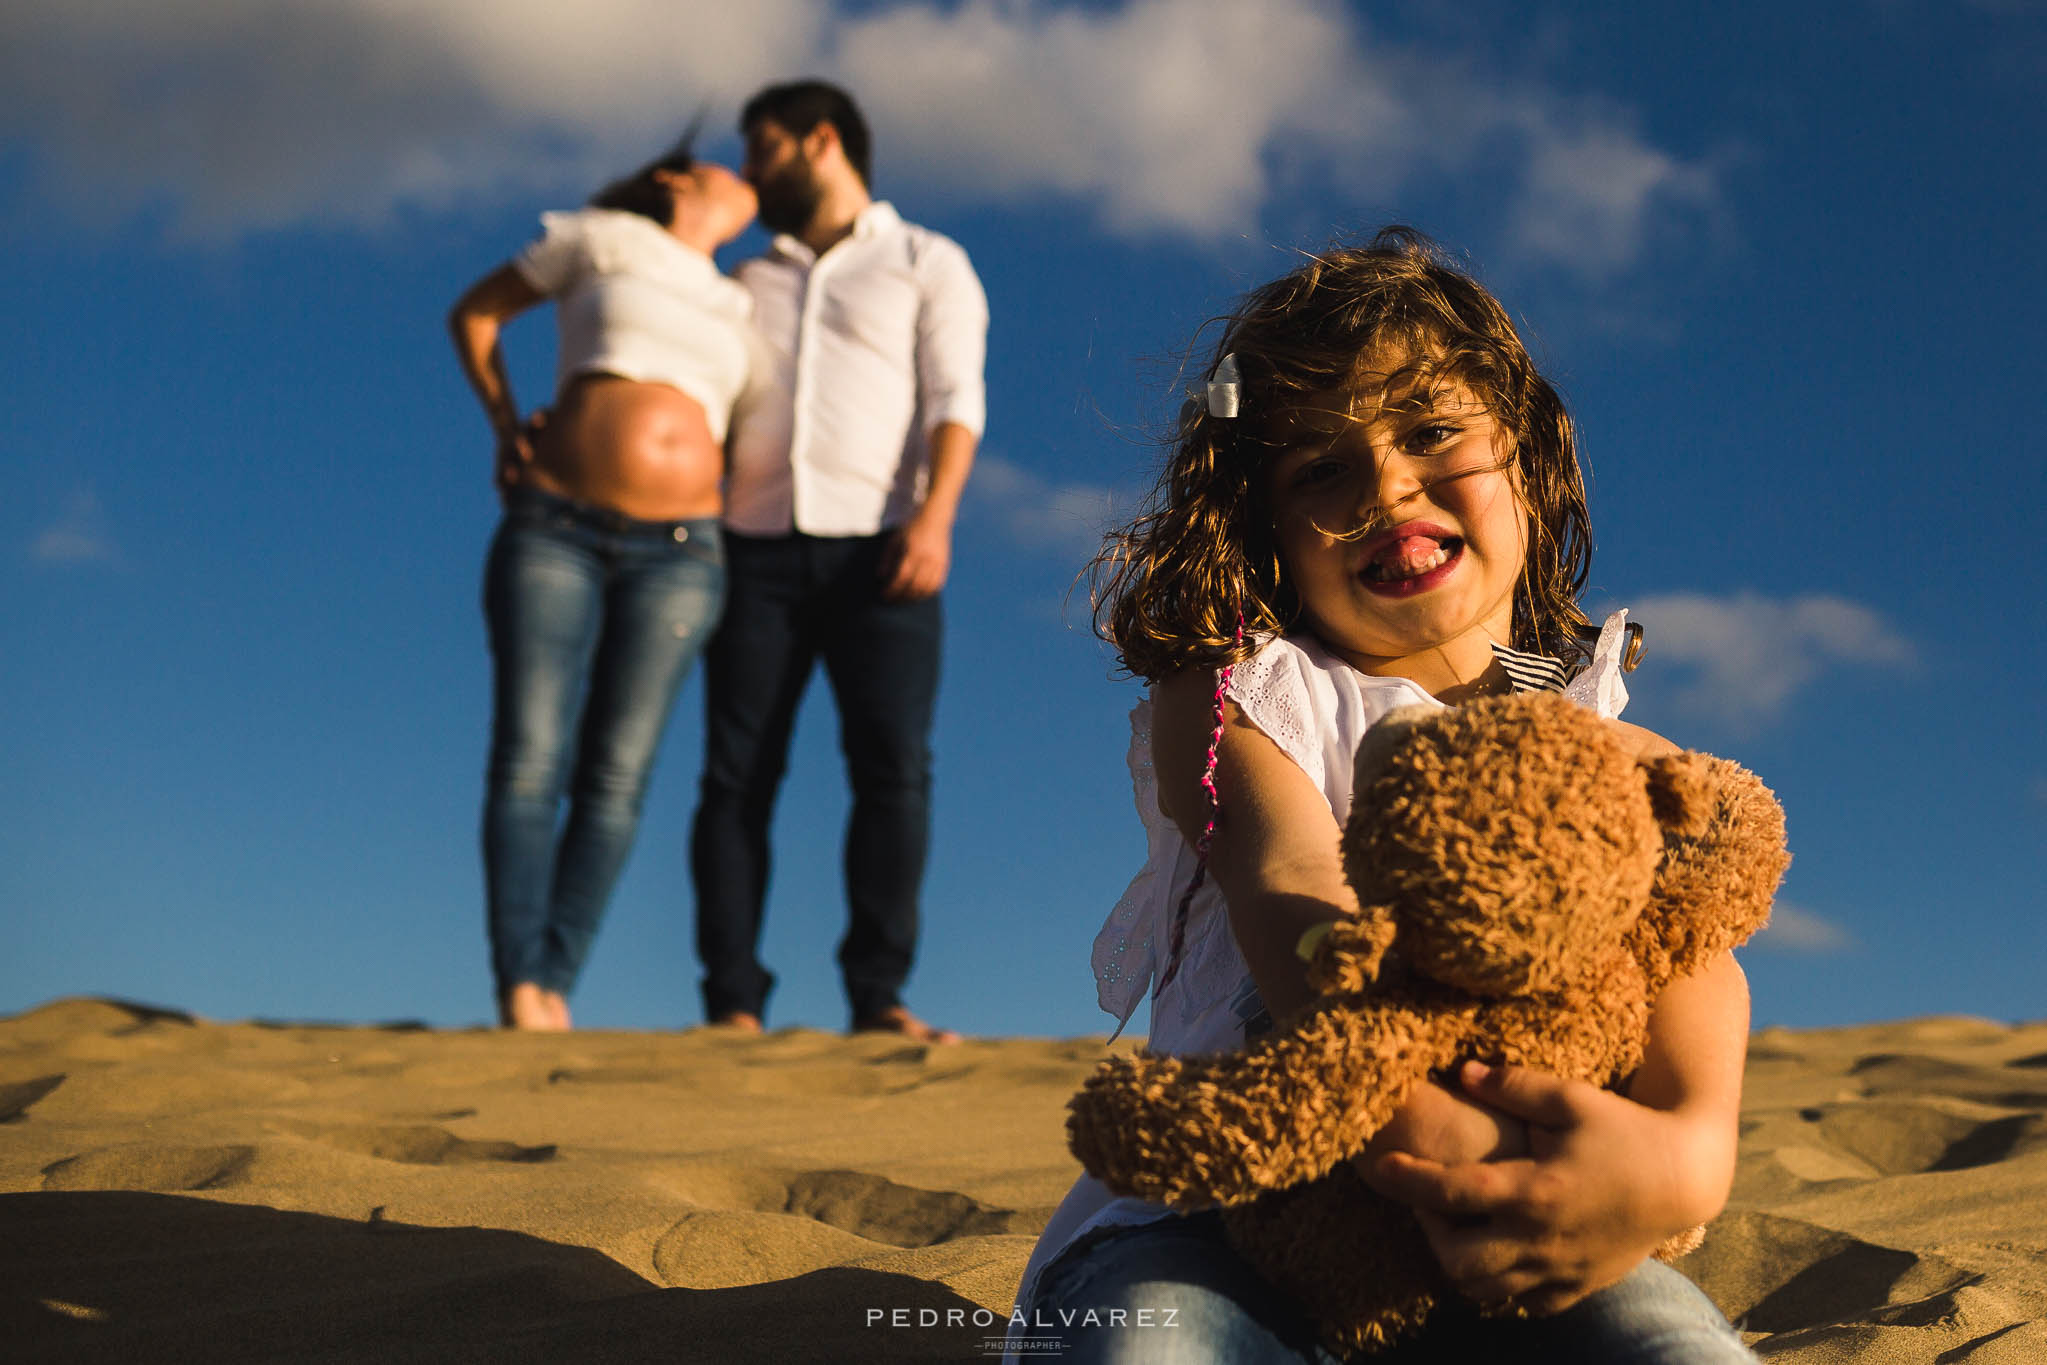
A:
{"x":99,"y":1276}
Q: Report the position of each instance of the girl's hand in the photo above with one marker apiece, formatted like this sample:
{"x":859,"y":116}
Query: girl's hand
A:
{"x":1447,"y":1128}
{"x":1604,"y":1182}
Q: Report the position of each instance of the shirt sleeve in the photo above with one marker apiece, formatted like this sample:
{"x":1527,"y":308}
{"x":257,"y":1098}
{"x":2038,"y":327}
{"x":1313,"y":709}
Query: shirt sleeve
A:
{"x":1274,"y":691}
{"x":952,"y":339}
{"x":558,"y":255}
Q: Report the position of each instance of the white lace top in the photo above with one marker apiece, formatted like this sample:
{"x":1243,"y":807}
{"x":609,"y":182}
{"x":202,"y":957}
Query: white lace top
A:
{"x":1315,"y":708}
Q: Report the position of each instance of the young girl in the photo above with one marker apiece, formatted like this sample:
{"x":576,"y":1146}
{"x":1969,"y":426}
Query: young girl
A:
{"x":1378,"y":504}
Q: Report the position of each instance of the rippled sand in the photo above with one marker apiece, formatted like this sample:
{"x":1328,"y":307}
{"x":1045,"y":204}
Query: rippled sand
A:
{"x":176,"y":1189}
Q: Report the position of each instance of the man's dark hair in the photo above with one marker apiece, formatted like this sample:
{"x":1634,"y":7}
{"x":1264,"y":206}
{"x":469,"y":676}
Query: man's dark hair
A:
{"x":800,"y":106}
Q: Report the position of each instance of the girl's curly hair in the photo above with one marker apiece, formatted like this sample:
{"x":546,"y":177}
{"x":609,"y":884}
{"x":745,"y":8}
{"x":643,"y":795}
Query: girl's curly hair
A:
{"x":1168,"y":587}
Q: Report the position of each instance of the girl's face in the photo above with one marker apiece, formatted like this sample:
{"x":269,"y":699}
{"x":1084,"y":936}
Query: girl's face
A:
{"x":1402,"y":532}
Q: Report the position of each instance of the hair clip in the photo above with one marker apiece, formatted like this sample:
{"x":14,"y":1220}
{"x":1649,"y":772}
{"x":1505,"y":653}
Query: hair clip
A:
{"x":1223,"y":387}
{"x":1631,"y":643}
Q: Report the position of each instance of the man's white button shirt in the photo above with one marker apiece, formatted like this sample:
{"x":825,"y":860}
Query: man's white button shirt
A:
{"x":867,"y":349}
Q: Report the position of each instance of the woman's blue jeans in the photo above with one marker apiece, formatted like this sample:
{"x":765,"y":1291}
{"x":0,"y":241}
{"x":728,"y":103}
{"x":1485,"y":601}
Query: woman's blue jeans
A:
{"x":594,"y":618}
{"x":1186,"y":1296}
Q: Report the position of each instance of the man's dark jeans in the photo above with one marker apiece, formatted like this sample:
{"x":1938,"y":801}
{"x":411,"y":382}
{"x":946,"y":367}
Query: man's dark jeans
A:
{"x":793,"y":600}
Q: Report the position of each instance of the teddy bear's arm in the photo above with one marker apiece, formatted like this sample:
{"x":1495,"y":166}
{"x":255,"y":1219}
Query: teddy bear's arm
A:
{"x":1202,"y":1131}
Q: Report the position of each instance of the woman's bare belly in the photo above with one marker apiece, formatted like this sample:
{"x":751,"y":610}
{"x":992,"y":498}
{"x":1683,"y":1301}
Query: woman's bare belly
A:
{"x":645,"y":450}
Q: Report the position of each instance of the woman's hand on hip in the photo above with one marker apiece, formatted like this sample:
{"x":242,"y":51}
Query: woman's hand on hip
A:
{"x":515,"y":451}
{"x":515,"y":454}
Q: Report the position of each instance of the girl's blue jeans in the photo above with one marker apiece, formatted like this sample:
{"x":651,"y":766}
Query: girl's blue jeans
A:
{"x":594,"y":618}
{"x":1187,"y":1297}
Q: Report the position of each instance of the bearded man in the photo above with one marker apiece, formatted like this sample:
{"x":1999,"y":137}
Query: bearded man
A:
{"x":845,"y":468}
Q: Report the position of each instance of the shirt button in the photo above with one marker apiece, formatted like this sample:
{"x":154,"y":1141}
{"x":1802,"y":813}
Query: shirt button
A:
{"x":682,"y":533}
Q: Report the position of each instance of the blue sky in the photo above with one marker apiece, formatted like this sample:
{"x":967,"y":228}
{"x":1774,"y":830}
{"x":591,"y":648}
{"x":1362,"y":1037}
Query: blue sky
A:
{"x":1784,"y":260}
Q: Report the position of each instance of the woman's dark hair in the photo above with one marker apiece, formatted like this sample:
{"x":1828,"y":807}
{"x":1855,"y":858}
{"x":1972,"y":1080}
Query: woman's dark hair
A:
{"x":1169,"y":586}
{"x":642,"y":192}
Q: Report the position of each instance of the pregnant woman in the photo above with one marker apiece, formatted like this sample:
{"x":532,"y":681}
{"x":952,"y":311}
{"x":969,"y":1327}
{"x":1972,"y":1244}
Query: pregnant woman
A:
{"x":606,"y":572}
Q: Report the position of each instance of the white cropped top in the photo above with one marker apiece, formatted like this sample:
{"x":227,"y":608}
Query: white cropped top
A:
{"x":631,"y":300}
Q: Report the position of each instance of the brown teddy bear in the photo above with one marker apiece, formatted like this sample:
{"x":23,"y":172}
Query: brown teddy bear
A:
{"x":1528,"y":886}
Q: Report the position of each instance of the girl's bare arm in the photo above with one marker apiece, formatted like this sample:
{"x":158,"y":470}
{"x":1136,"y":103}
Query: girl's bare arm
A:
{"x":1275,"y":854}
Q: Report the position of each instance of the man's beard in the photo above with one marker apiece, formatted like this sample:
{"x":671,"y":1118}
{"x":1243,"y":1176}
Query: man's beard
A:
{"x":788,"y":200}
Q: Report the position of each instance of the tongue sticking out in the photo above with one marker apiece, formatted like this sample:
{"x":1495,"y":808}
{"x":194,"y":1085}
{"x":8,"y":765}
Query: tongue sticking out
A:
{"x":1409,"y":557}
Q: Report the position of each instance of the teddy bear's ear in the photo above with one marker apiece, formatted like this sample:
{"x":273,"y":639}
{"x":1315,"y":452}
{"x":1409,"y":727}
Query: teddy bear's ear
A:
{"x":1347,"y":956}
{"x":1684,"y":790}
{"x":1723,"y":857}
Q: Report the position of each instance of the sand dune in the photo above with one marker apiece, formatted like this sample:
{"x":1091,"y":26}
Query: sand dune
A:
{"x":174,"y":1189}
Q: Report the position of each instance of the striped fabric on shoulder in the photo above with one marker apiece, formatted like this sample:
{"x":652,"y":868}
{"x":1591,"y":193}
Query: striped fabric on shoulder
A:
{"x":1531,"y":672}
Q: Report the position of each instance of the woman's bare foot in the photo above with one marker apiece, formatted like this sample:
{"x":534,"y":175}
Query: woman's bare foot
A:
{"x":896,"y":1019}
{"x":533,"y":1008}
{"x":738,"y":1021}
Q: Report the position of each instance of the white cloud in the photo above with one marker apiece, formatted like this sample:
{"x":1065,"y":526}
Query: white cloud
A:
{"x":1159,"y":112}
{"x":248,"y":114}
{"x":79,"y":535}
{"x":1173,"y":116}
{"x":1034,"y":513}
{"x":1594,"y":187}
{"x":1750,"y":654}
{"x":1794,"y":929}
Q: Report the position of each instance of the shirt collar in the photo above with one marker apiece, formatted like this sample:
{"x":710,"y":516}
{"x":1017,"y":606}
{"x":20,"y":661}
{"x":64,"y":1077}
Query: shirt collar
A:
{"x":1531,"y":672}
{"x":1527,"y":672}
{"x":878,"y":217}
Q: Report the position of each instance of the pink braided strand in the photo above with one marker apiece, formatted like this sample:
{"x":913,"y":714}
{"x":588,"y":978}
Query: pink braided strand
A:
{"x":1178,"y":939}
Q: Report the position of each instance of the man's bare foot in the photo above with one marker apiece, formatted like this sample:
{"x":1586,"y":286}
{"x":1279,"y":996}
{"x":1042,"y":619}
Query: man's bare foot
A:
{"x":896,"y":1019}
{"x":533,"y":1008}
{"x":739,"y":1021}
